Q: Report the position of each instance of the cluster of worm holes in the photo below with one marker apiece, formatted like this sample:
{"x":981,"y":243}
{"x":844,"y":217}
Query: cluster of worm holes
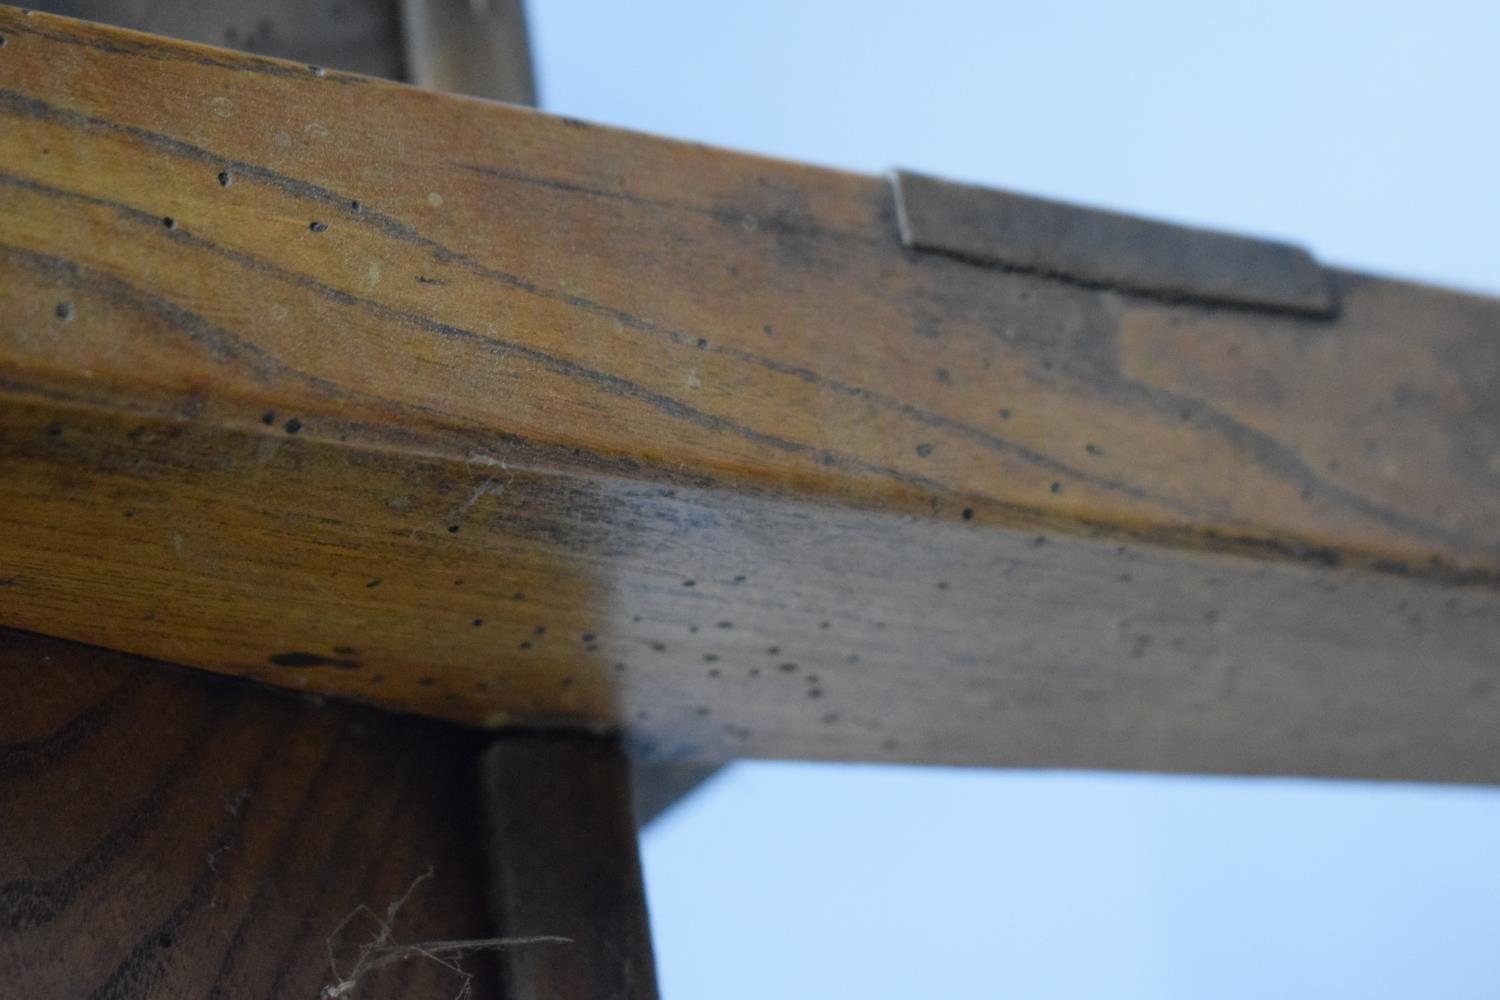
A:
{"x":774,"y":661}
{"x":65,"y":310}
{"x":225,"y":178}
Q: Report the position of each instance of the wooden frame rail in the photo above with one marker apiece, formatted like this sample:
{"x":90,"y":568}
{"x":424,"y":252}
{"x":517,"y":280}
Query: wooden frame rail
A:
{"x":502,"y":418}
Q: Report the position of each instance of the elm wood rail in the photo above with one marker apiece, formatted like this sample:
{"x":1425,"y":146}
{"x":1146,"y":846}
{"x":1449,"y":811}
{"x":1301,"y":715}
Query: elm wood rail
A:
{"x":498,"y":417}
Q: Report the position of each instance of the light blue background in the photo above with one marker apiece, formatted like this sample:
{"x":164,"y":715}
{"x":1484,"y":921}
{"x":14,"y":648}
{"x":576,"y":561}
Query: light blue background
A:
{"x":1369,"y":132}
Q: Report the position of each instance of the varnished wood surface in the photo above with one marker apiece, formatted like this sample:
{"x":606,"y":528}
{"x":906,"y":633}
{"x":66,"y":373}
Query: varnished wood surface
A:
{"x":500,"y":417}
{"x":564,"y":861}
{"x":167,"y":835}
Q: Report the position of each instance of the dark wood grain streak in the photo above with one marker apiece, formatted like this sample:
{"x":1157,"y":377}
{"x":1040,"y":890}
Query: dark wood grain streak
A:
{"x":167,"y":834}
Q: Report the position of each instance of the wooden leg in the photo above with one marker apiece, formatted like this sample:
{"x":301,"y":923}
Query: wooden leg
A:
{"x":565,"y":862}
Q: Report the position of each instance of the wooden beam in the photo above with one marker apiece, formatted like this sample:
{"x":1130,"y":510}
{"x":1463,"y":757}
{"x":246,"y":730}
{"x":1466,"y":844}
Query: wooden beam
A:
{"x":500,"y":417}
{"x":170,"y":834}
{"x":564,"y":861}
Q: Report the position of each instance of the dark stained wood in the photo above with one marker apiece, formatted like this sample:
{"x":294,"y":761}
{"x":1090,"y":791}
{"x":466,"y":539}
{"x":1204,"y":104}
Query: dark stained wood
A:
{"x":506,"y":419}
{"x":360,"y":36}
{"x":565,"y":862}
{"x":166,"y":834}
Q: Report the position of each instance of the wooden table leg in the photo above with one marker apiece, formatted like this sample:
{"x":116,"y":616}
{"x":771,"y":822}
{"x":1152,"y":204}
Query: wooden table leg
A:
{"x":564,"y":861}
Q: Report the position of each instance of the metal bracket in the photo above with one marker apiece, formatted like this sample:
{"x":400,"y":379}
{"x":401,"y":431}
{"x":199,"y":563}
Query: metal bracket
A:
{"x":1107,"y":249}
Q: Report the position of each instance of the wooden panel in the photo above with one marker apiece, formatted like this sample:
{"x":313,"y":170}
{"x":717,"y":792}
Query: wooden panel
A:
{"x":565,"y":862}
{"x":174,"y":835}
{"x":499,"y":417}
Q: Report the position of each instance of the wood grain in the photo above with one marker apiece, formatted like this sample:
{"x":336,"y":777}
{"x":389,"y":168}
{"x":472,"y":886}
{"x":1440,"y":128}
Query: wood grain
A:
{"x":168,"y":834}
{"x":500,"y":417}
{"x":562,"y":839}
